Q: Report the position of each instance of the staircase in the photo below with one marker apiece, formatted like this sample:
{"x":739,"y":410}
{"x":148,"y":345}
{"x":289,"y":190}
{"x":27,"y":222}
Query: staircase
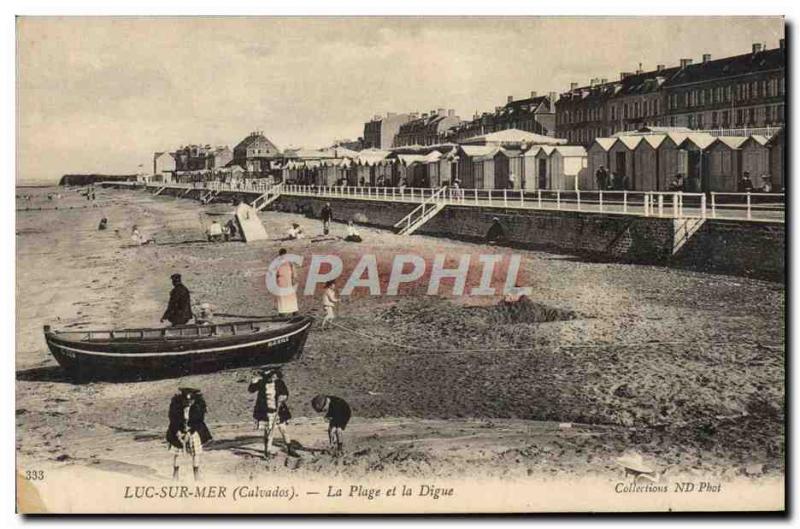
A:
{"x":159,"y":190}
{"x":268,"y":197}
{"x":683,"y":230}
{"x":422,"y":213}
{"x":208,"y":197}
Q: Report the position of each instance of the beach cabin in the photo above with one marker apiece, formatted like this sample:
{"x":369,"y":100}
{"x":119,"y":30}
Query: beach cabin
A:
{"x":620,"y":156}
{"x":544,"y":170}
{"x":776,"y":146}
{"x":671,"y":159}
{"x":755,"y":158}
{"x":471,"y":164}
{"x":507,"y":162}
{"x":696,"y":178}
{"x":528,"y":168}
{"x":724,"y":162}
{"x":646,"y":162}
{"x":596,"y":157}
{"x":567,"y":167}
{"x":367,"y":163}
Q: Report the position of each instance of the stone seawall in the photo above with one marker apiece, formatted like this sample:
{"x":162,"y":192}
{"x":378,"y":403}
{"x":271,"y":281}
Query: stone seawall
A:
{"x":755,"y":249}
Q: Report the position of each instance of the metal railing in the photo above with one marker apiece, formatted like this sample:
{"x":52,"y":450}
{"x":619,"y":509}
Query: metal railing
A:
{"x":755,"y":206}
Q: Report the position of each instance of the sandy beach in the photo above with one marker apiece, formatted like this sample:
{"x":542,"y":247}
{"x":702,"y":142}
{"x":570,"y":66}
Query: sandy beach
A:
{"x":685,"y":368}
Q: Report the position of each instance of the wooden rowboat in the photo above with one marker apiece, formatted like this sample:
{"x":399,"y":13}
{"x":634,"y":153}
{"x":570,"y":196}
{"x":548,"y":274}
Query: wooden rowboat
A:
{"x":175,"y":351}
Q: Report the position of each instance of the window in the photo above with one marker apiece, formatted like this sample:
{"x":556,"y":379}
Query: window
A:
{"x":713,"y":119}
{"x":739,"y":117}
{"x":725,"y":118}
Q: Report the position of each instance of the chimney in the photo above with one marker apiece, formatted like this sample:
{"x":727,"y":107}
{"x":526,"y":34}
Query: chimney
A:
{"x":756,"y":47}
{"x":685,"y":63}
{"x":706,"y":57}
{"x":497,"y":109}
{"x":391,"y":114}
{"x":623,"y":75}
{"x":533,"y":94}
{"x":660,"y":67}
{"x":451,"y":113}
{"x":553,"y":96}
{"x":573,"y":86}
{"x":510,"y":99}
{"x":782,"y":44}
{"x":603,"y":80}
{"x":441,"y":112}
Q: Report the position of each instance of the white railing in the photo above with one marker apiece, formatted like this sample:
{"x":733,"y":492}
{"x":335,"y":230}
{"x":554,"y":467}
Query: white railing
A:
{"x":667,"y":204}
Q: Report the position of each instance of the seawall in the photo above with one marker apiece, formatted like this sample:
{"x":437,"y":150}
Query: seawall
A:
{"x":746,"y":248}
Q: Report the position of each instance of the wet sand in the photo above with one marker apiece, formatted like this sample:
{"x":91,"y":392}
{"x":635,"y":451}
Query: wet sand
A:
{"x":683,"y":367}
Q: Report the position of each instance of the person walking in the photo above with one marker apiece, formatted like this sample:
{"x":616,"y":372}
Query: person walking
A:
{"x":338,"y":413}
{"x":187,"y":430}
{"x":329,"y":301}
{"x":326,"y":214}
{"x":179,"y":308}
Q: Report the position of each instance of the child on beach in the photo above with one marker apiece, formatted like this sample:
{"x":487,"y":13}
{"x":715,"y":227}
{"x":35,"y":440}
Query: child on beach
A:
{"x":337,"y":411}
{"x":329,"y":301}
{"x":187,"y":431}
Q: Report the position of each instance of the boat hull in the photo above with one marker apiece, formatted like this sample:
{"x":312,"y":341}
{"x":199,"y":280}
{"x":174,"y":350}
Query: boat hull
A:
{"x":120,"y":359}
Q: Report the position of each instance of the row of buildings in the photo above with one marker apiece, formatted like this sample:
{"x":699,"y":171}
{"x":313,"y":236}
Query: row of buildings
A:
{"x":742,"y":91}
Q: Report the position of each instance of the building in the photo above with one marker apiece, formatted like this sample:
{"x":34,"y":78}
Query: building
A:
{"x":743,"y":91}
{"x":429,"y":129}
{"x":379,"y":132}
{"x":256,"y":154}
{"x":164,"y":165}
{"x":201,"y":158}
{"x":533,"y":114}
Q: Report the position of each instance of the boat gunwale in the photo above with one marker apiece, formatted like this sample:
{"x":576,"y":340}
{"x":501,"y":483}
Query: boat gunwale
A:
{"x":63,"y":336}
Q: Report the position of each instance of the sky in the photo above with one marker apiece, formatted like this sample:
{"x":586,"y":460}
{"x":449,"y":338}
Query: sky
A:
{"x":103,"y":94}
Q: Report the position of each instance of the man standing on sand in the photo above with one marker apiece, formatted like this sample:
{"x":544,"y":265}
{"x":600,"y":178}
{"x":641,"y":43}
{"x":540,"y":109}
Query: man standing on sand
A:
{"x":179,"y":308}
{"x":327,"y":216}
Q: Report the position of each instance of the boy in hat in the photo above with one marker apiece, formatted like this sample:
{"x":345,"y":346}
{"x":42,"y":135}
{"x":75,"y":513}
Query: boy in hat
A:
{"x":337,"y":411}
{"x":272,"y":408}
{"x":187,"y":429}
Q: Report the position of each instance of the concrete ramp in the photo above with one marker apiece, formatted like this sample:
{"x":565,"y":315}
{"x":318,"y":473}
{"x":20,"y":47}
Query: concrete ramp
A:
{"x":250,"y":225}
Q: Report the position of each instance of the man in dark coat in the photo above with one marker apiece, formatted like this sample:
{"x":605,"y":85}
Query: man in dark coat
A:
{"x":326,"y":214}
{"x":187,"y":431}
{"x":601,"y":175}
{"x":179,"y":308}
{"x":272,"y":408}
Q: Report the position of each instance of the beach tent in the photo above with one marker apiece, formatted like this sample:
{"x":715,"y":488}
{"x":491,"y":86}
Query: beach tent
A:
{"x":597,"y":156}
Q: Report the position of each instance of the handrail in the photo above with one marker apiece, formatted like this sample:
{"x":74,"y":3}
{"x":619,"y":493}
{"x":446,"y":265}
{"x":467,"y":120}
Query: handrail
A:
{"x":432,"y":199}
